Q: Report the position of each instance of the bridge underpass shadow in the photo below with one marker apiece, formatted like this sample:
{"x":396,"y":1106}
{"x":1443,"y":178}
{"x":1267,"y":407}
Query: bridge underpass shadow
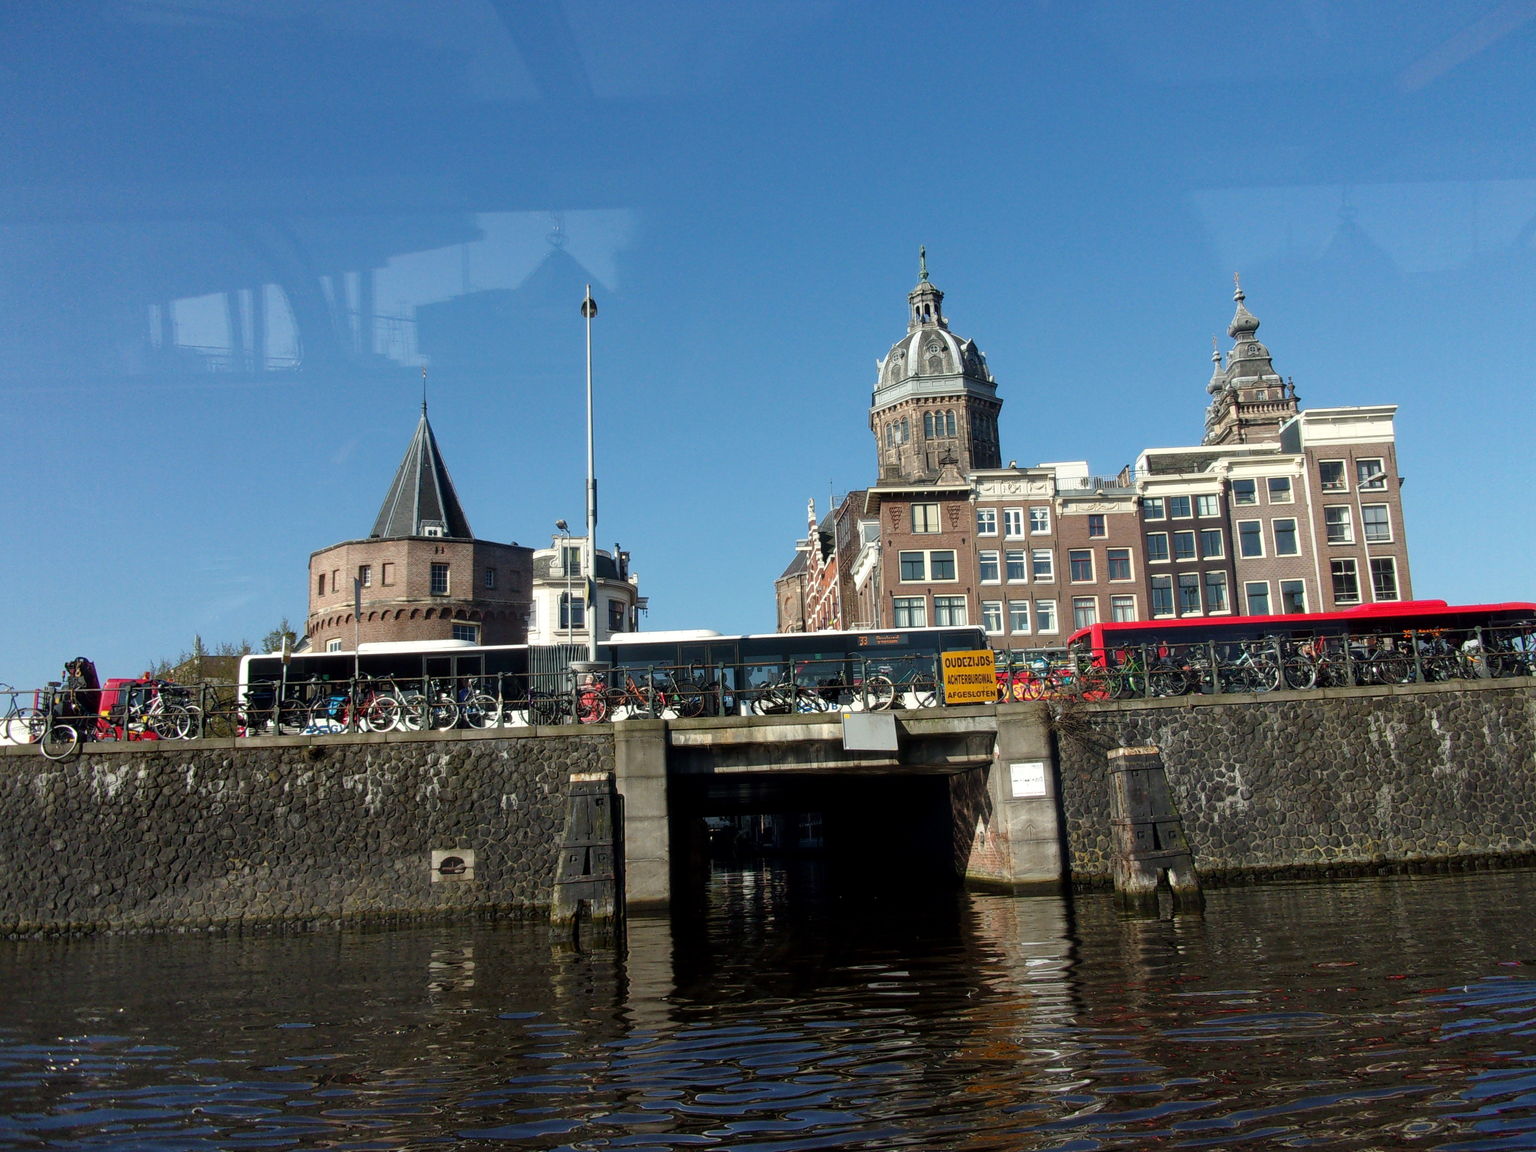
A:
{"x":844,"y":840}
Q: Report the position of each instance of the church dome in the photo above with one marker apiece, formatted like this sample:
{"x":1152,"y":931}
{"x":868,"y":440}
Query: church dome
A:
{"x":929,"y":348}
{"x":932,"y":351}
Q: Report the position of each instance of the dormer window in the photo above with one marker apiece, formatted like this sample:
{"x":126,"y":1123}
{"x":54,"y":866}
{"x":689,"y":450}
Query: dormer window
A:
{"x":432,"y":528}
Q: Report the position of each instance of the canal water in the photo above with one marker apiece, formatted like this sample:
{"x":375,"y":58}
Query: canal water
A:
{"x":784,"y":1014}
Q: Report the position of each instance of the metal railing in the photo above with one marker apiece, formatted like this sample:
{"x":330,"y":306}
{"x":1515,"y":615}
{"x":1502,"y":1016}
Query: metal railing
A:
{"x":557,"y":695}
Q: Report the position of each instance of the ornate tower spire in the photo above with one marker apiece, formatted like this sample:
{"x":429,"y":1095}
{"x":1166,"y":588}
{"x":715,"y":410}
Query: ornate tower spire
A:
{"x":925,"y":302}
{"x":1249,"y":400}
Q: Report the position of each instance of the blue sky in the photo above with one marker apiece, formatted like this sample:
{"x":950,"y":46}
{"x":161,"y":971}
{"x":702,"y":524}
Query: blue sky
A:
{"x":746,"y":186}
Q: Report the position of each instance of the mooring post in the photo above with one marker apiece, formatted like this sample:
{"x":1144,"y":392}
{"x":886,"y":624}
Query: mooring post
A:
{"x":587,"y":910}
{"x":1148,"y":834}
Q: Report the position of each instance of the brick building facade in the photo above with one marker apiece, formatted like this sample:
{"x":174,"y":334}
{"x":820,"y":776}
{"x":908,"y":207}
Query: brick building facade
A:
{"x":1278,"y":509}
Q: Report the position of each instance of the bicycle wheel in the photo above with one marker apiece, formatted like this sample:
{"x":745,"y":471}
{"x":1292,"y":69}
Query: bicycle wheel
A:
{"x":1503,"y":664}
{"x":413,"y":712}
{"x":59,"y":742}
{"x":925,"y":692}
{"x":687,"y":703}
{"x":1121,"y":683}
{"x":653,"y":702}
{"x":443,"y":714}
{"x":383,"y":714}
{"x":24,"y":726}
{"x":548,"y":708}
{"x":1299,"y":672}
{"x":809,"y":700}
{"x":1266,"y":675}
{"x":1392,"y":669}
{"x":879,"y":692}
{"x":481,"y":711}
{"x":591,"y":706}
{"x":172,"y":722}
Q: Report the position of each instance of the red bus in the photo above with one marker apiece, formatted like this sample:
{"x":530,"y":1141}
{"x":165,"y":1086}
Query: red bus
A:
{"x":1398,"y":643}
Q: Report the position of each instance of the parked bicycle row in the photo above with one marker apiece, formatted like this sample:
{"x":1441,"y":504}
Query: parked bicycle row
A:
{"x":1272,"y":663}
{"x":78,"y":710}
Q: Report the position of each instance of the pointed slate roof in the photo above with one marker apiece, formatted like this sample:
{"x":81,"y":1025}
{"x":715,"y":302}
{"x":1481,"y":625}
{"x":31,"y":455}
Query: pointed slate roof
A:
{"x":421,"y":501}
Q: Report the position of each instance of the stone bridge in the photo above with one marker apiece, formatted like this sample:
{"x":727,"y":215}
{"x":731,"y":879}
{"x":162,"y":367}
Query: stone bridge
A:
{"x":343,"y":829}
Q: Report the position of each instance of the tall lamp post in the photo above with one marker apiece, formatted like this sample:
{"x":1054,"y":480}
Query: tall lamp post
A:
{"x":589,"y":552}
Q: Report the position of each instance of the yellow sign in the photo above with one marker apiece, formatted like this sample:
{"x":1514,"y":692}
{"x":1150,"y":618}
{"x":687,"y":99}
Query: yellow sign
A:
{"x":969,"y":677}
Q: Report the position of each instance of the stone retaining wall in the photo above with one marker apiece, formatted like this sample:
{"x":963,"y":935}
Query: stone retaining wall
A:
{"x":1299,"y":783}
{"x":207,"y":834}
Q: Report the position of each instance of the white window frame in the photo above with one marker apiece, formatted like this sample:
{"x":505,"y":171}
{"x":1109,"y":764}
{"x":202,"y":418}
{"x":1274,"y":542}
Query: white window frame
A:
{"x":1013,"y":523}
{"x":1287,"y":586}
{"x":1167,"y":554}
{"x":1023,"y":565}
{"x":1339,"y":530}
{"x":1257,"y":534}
{"x":986,"y":521}
{"x":1193,"y":538}
{"x":1122,"y":609}
{"x":1162,"y":584}
{"x":989,"y":557}
{"x":1248,"y":587}
{"x":1188,"y":580}
{"x":932,"y":523}
{"x":1153,"y":508}
{"x":950,"y":612}
{"x":992,"y":617}
{"x":1375,"y":481}
{"x":1295,"y":535}
{"x":1109,"y":565}
{"x":1245,"y":492}
{"x":1085,"y":612}
{"x":1018,"y":610}
{"x":1388,"y":564}
{"x":1045,"y":617}
{"x":1289,"y":490}
{"x":1208,"y":534}
{"x":1339,"y":485}
{"x":1173,"y":506}
{"x":1207,"y":506}
{"x":1074,"y":556}
{"x":1042,"y":565}
{"x":913,"y":608}
{"x":1365,"y":525}
{"x":1221,"y":603}
{"x":1039,"y":520}
{"x":1338,"y":567}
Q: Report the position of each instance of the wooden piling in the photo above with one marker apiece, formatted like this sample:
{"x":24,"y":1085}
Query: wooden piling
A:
{"x":1149,"y":843}
{"x":587,"y":909}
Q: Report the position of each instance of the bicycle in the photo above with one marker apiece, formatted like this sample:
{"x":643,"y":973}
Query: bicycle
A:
{"x":22,"y":724}
{"x":362,"y":706}
{"x":61,"y":730}
{"x":477,"y":708}
{"x":1252,"y":671}
{"x":886,"y":687}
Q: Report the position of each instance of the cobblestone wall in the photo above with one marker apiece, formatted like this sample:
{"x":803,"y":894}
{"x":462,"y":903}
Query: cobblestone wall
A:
{"x":1423,"y":777}
{"x":202,"y":835}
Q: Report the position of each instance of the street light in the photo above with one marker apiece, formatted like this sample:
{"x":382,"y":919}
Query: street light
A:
{"x":589,"y":310}
{"x":565,"y":564}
